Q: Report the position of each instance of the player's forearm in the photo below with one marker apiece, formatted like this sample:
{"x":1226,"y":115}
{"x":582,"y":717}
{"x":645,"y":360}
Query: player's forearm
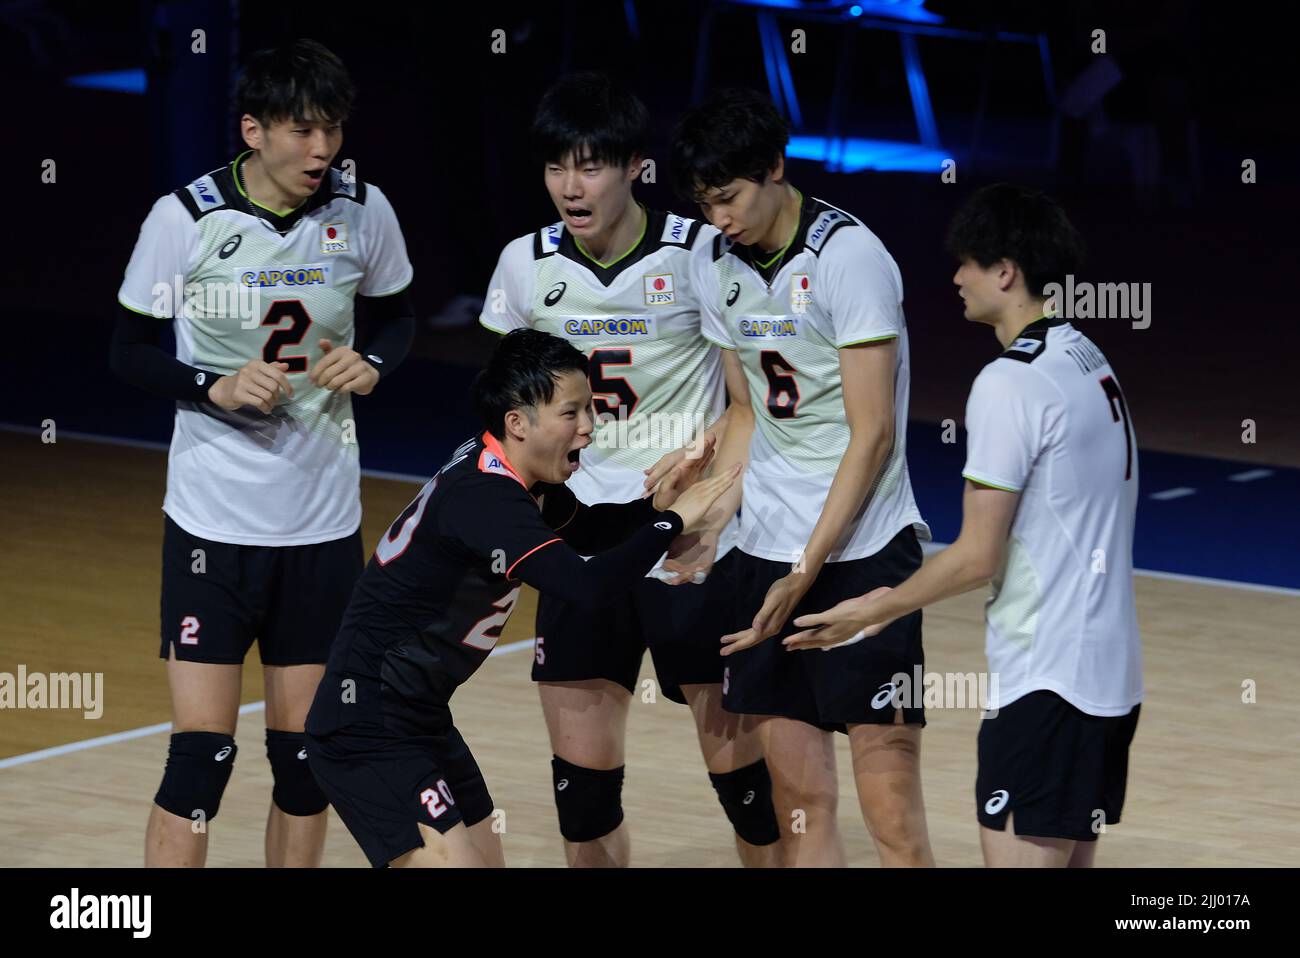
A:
{"x":596,"y":528}
{"x":136,"y":358}
{"x":853,"y":478}
{"x":592,"y":584}
{"x":957,"y":569}
{"x":733,"y":448}
{"x":719,"y":427}
{"x":392,"y":330}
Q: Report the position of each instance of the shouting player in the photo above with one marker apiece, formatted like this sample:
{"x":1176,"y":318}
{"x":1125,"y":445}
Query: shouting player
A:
{"x":258,"y":264}
{"x":613,"y":278}
{"x":441,"y":585}
{"x":1047,"y":516}
{"x":807,"y":305}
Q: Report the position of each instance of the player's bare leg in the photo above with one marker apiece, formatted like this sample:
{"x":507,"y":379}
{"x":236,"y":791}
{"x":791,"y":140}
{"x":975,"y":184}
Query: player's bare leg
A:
{"x":729,"y":741}
{"x":455,"y":849}
{"x":587,"y":722}
{"x":205,"y":698}
{"x":887,"y":769}
{"x":488,"y":843}
{"x":1006,"y":849}
{"x":1084,"y":854}
{"x":292,"y":841}
{"x":805,"y":791}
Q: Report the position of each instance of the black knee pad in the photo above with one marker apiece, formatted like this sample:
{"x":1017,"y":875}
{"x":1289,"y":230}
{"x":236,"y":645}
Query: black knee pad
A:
{"x":589,"y":800}
{"x":295,"y":791}
{"x":746,"y":797}
{"x":198,"y":768}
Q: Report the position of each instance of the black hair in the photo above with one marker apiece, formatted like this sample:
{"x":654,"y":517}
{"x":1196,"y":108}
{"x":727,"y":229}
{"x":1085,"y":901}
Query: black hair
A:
{"x":588,"y":115}
{"x":1005,"y":221}
{"x":295,"y":81}
{"x":736,"y":134}
{"x":522,"y":374}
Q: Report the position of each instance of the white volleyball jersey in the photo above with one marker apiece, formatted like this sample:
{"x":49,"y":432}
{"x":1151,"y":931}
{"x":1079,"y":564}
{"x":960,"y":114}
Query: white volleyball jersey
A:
{"x":244,"y":283}
{"x":656,"y":381}
{"x":1047,"y":419}
{"x":836,"y":286}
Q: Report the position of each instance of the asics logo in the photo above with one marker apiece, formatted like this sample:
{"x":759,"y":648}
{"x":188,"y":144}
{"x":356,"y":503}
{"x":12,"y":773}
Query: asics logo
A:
{"x":733,"y":294}
{"x":554,"y":295}
{"x":221,"y":756}
{"x":997,"y":802}
{"x":232,"y":244}
{"x":302,"y":754}
{"x":562,"y":784}
{"x":749,"y":798}
{"x":884,"y":696}
{"x":666,"y":526}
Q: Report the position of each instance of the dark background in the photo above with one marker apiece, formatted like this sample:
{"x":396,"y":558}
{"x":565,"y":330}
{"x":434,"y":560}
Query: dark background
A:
{"x":441,"y":125}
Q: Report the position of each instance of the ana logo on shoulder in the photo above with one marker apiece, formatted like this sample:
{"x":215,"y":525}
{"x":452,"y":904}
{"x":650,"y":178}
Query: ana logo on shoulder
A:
{"x":1025,"y":346}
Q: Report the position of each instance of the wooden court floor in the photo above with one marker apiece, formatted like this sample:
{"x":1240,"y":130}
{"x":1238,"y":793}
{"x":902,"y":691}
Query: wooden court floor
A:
{"x":1213,"y":779}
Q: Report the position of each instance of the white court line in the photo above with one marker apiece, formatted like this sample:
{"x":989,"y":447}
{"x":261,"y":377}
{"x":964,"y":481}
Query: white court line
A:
{"x":1250,"y":475}
{"x":106,"y":740}
{"x":129,"y":734}
{"x":1176,"y":493}
{"x":929,"y":548}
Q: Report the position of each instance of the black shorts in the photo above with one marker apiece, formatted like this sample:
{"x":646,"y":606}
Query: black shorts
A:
{"x":682,"y":625}
{"x":217,"y":597}
{"x":382,"y":786}
{"x":1062,"y":771}
{"x":828,"y":689}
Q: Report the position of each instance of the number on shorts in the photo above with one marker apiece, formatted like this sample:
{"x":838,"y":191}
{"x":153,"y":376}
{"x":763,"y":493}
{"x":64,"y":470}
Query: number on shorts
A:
{"x":538,"y":652}
{"x":394,"y":542}
{"x":190,"y":630}
{"x":436,"y":803}
{"x":487,"y":630}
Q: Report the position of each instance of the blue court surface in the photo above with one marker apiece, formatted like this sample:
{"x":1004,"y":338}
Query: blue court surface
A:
{"x":1197,"y":516}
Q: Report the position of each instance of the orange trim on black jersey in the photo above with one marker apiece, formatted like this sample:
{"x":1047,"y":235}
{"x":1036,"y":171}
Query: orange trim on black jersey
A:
{"x":492,"y":448}
{"x":528,"y":553}
{"x":571,"y":515}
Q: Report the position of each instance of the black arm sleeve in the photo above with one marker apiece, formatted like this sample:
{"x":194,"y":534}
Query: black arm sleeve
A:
{"x":136,"y":358}
{"x":592,"y":529}
{"x":391,"y":322}
{"x":592,"y":584}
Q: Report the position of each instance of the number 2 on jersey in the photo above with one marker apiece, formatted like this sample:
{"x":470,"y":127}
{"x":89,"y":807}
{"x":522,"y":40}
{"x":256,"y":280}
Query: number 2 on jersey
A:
{"x":294,"y":310}
{"x":1118,"y":411}
{"x":606,"y":388}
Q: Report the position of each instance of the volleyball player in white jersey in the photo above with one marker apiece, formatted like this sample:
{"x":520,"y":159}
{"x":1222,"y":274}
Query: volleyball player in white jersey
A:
{"x":806,"y":303}
{"x":1047,"y":516}
{"x":261,"y":536}
{"x":614,"y":279}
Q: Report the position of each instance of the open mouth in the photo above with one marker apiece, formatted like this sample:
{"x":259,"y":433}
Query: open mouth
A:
{"x":573,"y":459}
{"x":314,"y":176}
{"x":577,"y":215}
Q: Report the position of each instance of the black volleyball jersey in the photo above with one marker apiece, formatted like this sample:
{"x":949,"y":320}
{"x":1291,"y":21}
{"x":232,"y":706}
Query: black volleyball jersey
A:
{"x":445,"y":577}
